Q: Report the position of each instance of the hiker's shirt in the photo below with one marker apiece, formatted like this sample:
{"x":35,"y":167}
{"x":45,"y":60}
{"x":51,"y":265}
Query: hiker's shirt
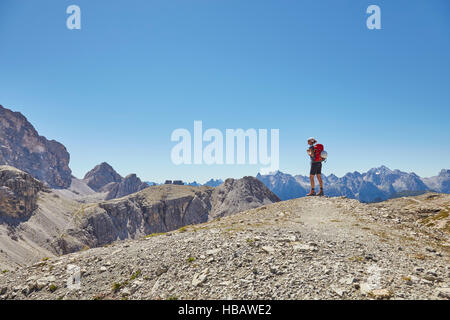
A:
{"x":311,"y":153}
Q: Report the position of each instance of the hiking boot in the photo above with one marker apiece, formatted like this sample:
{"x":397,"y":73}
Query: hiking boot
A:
{"x":320,"y":194}
{"x":311,"y":193}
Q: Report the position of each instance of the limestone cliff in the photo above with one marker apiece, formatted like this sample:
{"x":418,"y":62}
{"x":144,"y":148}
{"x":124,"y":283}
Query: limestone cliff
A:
{"x":23,"y":148}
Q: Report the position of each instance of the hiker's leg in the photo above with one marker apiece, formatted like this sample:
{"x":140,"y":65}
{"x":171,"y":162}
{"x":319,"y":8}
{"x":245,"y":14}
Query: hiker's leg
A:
{"x":311,"y":178}
{"x":319,"y":177}
{"x":312,"y":192}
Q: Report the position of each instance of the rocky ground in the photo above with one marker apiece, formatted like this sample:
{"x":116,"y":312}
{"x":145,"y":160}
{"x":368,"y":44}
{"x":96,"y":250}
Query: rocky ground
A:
{"x":308,"y":248}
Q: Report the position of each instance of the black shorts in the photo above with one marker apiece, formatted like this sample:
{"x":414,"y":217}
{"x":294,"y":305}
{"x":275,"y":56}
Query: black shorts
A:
{"x":316,"y":168}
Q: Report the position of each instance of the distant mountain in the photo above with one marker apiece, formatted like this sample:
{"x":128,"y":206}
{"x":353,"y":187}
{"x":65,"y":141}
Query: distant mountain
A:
{"x":213,"y":183}
{"x":193,"y":184}
{"x":283,"y":185}
{"x":23,"y":148}
{"x":439,"y":183}
{"x":151,"y":183}
{"x":103,"y":178}
{"x":375,"y":185}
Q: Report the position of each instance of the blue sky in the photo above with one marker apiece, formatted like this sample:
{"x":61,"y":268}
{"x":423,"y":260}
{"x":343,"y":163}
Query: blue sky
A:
{"x":137,"y":70}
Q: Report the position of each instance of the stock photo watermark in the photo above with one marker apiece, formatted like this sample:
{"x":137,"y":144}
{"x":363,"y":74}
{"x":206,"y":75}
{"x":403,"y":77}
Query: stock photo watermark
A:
{"x":374,"y":20}
{"x":74,"y":280}
{"x":73,"y":22}
{"x":230,"y":150}
{"x":373,"y":282}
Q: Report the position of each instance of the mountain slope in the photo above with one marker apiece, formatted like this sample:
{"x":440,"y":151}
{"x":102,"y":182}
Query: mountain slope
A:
{"x":308,"y":248}
{"x":34,"y":221}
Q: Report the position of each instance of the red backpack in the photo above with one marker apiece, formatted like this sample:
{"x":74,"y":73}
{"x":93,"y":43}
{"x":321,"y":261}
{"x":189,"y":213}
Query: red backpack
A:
{"x":318,"y":148}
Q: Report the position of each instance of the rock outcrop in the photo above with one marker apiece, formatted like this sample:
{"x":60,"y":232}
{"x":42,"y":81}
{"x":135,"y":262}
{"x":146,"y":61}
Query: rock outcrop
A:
{"x":23,"y":148}
{"x":18,"y":193}
{"x":239,"y":195}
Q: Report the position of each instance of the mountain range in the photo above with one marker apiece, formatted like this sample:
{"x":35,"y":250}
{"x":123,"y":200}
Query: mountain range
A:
{"x":377,"y":184}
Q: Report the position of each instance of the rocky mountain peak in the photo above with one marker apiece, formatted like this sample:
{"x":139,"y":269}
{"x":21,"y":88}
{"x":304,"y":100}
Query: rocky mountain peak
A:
{"x":100,"y":176}
{"x":23,"y":148}
{"x":384,"y":168}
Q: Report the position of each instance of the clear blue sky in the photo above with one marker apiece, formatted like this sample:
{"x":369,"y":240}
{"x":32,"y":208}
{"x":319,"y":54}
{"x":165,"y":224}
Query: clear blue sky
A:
{"x":116,"y":89}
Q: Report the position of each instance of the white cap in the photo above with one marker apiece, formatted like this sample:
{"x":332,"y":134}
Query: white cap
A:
{"x":311,"y":138}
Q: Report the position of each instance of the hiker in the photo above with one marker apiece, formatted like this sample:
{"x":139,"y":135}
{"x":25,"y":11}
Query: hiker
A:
{"x":315,"y":153}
